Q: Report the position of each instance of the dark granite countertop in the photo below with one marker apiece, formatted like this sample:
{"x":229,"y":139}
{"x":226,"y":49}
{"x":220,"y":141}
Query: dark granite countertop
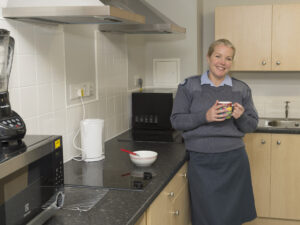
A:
{"x":120,"y":207}
{"x":277,"y":130}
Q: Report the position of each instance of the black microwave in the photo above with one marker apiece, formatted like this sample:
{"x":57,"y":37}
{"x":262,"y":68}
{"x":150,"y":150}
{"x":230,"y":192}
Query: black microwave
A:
{"x":151,"y":109}
{"x":31,"y":181}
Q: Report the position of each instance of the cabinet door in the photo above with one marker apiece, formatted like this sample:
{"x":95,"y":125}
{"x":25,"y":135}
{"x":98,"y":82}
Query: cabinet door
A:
{"x":285,"y":37}
{"x":285,"y":176}
{"x":258,"y":147}
{"x":249,"y":29}
{"x":180,"y":212}
{"x":268,"y":221}
{"x":142,"y":220}
{"x":159,"y":211}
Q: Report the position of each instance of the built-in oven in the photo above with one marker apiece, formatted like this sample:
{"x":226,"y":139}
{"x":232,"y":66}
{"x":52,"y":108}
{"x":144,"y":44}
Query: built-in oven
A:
{"x":31,"y":181}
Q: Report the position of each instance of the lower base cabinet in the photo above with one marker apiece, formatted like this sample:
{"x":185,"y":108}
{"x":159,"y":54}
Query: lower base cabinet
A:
{"x":142,"y":220}
{"x":172,"y":205}
{"x":268,"y":221}
{"x":275,"y":170}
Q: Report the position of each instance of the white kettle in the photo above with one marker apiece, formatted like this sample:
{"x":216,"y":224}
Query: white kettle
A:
{"x":92,"y":139}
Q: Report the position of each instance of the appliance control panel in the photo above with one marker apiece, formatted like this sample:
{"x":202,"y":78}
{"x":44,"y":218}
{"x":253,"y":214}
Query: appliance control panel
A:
{"x":13,"y":122}
{"x":152,"y":119}
{"x":59,"y":167}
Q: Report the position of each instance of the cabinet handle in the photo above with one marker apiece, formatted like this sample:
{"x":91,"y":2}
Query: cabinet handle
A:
{"x":263,"y":141}
{"x":263,"y":62}
{"x":184,"y":175}
{"x":176,"y":213}
{"x":278,"y":142}
{"x":278,"y":63}
{"x":171,"y":194}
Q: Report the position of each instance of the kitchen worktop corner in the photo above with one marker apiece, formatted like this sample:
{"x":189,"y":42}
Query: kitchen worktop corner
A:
{"x":122,"y":207}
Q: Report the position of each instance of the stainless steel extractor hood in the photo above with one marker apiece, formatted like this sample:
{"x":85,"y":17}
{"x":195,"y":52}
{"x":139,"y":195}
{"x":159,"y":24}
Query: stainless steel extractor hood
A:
{"x":102,"y":14}
{"x":155,"y":22}
{"x":126,"y":16}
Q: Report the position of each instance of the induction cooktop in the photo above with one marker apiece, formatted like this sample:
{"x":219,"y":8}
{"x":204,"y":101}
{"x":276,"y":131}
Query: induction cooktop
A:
{"x":96,"y":174}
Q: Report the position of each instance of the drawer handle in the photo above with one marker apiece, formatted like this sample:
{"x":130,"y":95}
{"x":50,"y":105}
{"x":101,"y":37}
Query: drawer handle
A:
{"x":278,"y":142}
{"x":176,"y":213}
{"x":278,"y":63}
{"x":263,"y":141}
{"x":264,"y":62}
{"x":184,"y":175}
{"x":171,"y":194}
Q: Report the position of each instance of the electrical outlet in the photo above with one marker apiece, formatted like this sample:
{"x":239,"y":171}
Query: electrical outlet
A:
{"x":75,"y":90}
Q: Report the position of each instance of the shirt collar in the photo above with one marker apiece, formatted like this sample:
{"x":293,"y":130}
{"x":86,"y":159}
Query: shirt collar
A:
{"x":206,"y":80}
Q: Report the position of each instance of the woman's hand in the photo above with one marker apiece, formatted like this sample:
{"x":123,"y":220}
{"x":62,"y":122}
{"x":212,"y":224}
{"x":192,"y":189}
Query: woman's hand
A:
{"x":215,"y":113}
{"x":238,"y":110}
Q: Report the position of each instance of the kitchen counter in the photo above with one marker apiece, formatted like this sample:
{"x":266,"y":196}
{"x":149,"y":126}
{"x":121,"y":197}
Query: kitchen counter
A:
{"x":121,"y":207}
{"x":277,"y":130}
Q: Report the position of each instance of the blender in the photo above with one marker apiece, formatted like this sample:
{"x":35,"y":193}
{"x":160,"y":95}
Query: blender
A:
{"x":12,"y":127}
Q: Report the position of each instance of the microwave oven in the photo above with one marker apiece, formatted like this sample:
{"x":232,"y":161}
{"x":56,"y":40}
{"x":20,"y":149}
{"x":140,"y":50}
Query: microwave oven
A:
{"x":31,"y":181}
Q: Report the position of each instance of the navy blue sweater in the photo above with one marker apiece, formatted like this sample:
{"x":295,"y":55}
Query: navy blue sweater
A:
{"x":191,"y":103}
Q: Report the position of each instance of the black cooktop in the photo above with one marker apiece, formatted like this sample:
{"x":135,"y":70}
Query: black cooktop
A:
{"x":96,"y":174}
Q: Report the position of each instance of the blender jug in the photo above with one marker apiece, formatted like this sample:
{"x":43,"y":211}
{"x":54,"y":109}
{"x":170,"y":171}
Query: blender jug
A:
{"x":12,"y":126}
{"x":6,"y":57}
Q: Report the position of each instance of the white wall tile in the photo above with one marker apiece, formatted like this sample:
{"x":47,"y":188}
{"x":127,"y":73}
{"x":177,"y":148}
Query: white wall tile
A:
{"x":29,"y":100}
{"x":25,"y":44}
{"x":32,"y":126}
{"x":57,"y":59}
{"x":38,"y":83}
{"x":43,"y":69}
{"x":14,"y":80}
{"x":27,"y":70}
{"x":14,"y":98}
{"x":46,"y":124}
{"x":45,"y":103}
{"x":59,"y":96}
{"x":74,"y":116}
{"x":60,"y":122}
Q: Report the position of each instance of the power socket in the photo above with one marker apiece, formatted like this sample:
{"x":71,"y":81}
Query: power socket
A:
{"x":84,"y":89}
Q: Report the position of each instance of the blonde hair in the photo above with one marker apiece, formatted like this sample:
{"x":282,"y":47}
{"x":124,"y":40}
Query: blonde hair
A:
{"x":220,"y":42}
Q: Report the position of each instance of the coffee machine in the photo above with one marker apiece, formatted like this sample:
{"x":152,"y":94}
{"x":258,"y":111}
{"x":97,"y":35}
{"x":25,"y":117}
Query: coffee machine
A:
{"x":12,"y":127}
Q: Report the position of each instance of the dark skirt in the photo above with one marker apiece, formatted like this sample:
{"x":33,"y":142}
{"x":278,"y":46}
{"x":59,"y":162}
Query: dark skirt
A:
{"x":220,"y":188}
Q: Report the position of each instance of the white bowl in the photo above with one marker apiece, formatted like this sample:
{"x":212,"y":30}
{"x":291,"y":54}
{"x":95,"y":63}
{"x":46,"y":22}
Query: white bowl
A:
{"x":144,"y":158}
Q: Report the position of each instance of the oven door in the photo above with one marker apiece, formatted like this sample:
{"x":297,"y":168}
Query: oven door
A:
{"x":26,"y":192}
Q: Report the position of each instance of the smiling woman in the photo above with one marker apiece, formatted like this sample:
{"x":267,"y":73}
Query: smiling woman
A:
{"x":218,"y":170}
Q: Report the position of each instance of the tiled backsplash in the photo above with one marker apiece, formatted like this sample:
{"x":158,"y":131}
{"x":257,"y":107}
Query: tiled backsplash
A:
{"x":38,"y":83}
{"x":274,"y":106}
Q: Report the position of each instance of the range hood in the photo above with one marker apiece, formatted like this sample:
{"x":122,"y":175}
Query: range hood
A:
{"x":155,"y":22}
{"x":125,"y":16}
{"x":71,"y":14}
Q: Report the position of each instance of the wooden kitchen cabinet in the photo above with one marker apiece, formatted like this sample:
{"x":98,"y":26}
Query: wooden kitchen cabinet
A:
{"x":265,"y":36}
{"x":142,"y":220}
{"x":275,"y":168}
{"x":258,"y":147}
{"x":172,"y":206}
{"x":249,"y":29}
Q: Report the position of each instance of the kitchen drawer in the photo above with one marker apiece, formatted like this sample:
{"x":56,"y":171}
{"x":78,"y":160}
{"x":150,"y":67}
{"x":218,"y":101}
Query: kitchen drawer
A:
{"x":178,"y":181}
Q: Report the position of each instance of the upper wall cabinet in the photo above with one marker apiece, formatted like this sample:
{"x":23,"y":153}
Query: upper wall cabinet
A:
{"x":265,"y":36}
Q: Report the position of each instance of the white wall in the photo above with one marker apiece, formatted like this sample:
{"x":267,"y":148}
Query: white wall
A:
{"x":164,"y":46}
{"x":38,"y":82}
{"x":270,"y":89}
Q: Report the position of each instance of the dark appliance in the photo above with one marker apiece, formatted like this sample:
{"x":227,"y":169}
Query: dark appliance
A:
{"x":151,"y":111}
{"x":12,"y":127}
{"x":31,"y":181}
